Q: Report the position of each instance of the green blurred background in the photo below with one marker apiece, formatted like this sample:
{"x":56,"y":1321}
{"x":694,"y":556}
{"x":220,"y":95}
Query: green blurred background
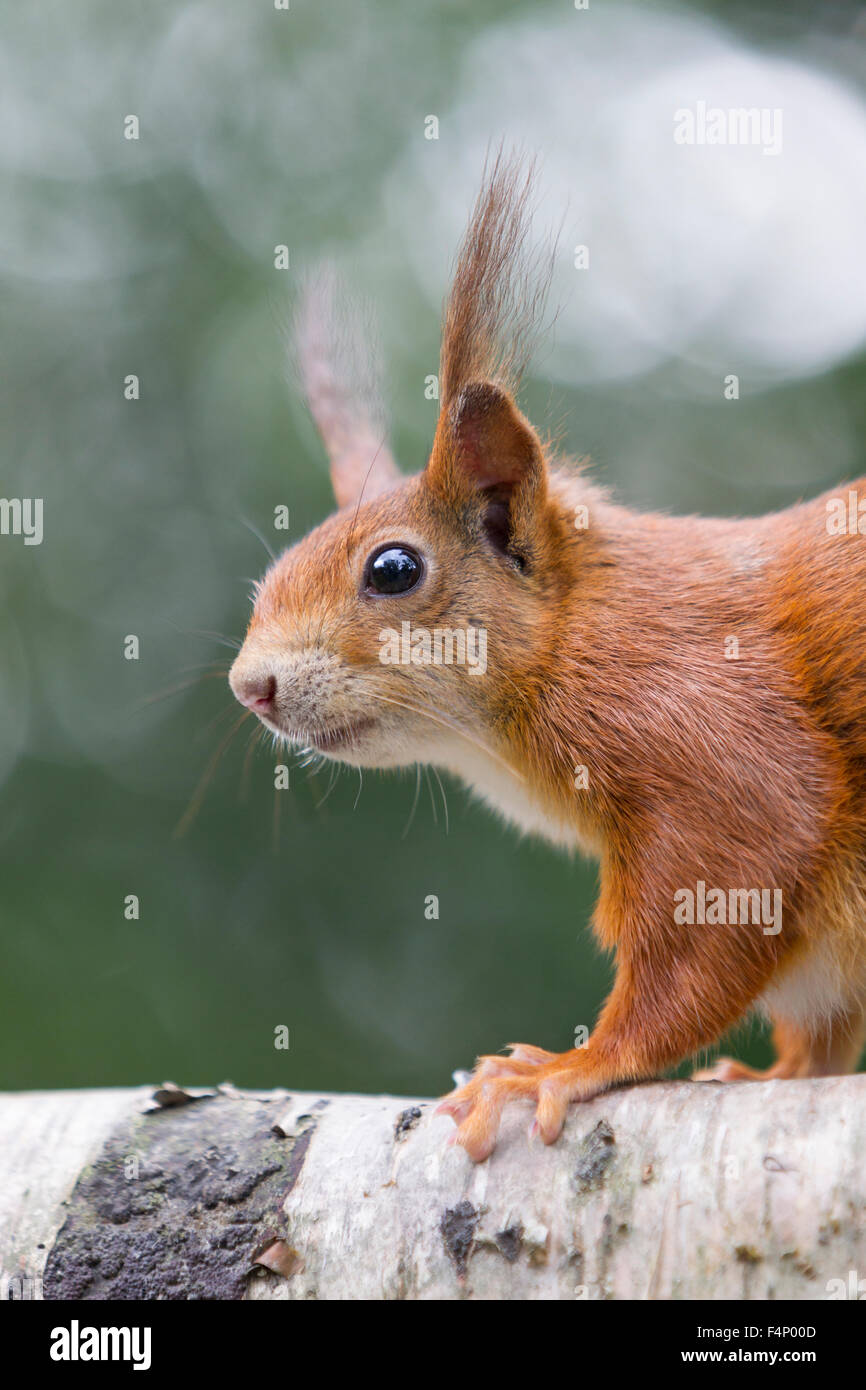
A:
{"x":156,"y":257}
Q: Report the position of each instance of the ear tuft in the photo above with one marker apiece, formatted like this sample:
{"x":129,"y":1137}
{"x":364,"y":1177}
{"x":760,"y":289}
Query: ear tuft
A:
{"x":336,"y":352}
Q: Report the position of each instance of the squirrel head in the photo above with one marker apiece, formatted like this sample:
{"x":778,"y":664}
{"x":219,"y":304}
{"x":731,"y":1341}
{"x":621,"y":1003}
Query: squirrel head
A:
{"x":411,"y":622}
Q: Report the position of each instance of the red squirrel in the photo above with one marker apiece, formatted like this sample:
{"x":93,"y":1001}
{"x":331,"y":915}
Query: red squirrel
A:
{"x":683,"y":697}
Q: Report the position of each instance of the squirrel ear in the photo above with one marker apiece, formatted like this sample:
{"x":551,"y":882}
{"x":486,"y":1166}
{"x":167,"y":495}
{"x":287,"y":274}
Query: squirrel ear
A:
{"x":338,"y":362}
{"x":484,"y":442}
{"x":496,"y":447}
{"x":485,"y":448}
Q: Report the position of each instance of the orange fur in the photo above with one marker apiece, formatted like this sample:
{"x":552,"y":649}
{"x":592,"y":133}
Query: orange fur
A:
{"x":606,"y":651}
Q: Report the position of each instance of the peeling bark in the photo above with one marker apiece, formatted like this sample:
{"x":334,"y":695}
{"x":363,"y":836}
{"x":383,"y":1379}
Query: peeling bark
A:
{"x":669,"y":1190}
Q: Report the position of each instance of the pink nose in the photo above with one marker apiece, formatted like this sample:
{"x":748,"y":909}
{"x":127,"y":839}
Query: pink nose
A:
{"x":256,"y":692}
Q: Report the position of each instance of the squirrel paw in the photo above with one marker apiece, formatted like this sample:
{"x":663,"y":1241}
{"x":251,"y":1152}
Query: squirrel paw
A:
{"x":727,"y":1069}
{"x":529,"y":1073}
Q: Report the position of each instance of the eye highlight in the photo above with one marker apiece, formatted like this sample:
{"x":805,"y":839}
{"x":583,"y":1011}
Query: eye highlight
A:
{"x":395,"y":569}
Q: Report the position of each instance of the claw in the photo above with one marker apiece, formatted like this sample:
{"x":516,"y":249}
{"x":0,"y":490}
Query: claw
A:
{"x":525,"y":1052}
{"x":550,"y":1111}
{"x":478,"y":1140}
{"x":529,"y":1073}
{"x":726,"y":1069}
{"x":457,"y":1109}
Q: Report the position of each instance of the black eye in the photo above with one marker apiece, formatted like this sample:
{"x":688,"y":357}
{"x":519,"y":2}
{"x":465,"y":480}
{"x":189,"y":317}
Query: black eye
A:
{"x":394,"y":570}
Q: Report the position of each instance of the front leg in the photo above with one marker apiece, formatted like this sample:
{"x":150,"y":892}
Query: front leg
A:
{"x":677,"y":990}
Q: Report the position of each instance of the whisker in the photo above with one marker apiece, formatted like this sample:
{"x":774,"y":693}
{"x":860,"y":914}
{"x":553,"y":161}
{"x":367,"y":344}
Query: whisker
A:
{"x":177,"y":689}
{"x":351,"y":532}
{"x":437,"y":718}
{"x":430,"y":790}
{"x":275,"y":824}
{"x":435,"y":772}
{"x":255,"y":740}
{"x":332,"y":782}
{"x":521,"y":693}
{"x":259,"y":537}
{"x":408,"y":825}
{"x":223,"y":714}
{"x":311,"y":758}
{"x":232,"y":642}
{"x":197,"y":797}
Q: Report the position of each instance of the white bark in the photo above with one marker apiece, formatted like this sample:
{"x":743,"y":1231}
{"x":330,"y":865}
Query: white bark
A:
{"x":46,"y":1139}
{"x":669,"y":1190}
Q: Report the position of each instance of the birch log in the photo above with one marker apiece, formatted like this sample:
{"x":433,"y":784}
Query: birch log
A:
{"x":668,"y":1190}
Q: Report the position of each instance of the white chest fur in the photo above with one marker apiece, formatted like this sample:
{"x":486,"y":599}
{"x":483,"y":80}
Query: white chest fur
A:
{"x":508,"y":795}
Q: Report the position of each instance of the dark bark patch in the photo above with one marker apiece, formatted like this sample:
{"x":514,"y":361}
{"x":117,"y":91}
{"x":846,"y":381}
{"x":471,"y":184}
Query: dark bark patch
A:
{"x":509,"y":1242}
{"x":169,"y":1094}
{"x":458,"y":1231}
{"x":406,"y":1120}
{"x":176,"y":1205}
{"x":595,"y":1155}
{"x":748,"y":1255}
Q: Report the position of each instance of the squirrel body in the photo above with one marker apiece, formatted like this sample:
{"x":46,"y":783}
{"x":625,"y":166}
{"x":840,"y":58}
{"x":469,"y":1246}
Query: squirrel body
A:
{"x":682,"y":697}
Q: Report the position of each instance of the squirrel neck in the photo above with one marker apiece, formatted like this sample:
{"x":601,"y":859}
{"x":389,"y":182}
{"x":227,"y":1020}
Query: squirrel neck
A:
{"x":634,"y":616}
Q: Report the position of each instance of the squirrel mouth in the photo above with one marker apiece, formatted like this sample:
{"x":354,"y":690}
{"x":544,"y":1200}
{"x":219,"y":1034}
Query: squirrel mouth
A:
{"x":326,"y":740}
